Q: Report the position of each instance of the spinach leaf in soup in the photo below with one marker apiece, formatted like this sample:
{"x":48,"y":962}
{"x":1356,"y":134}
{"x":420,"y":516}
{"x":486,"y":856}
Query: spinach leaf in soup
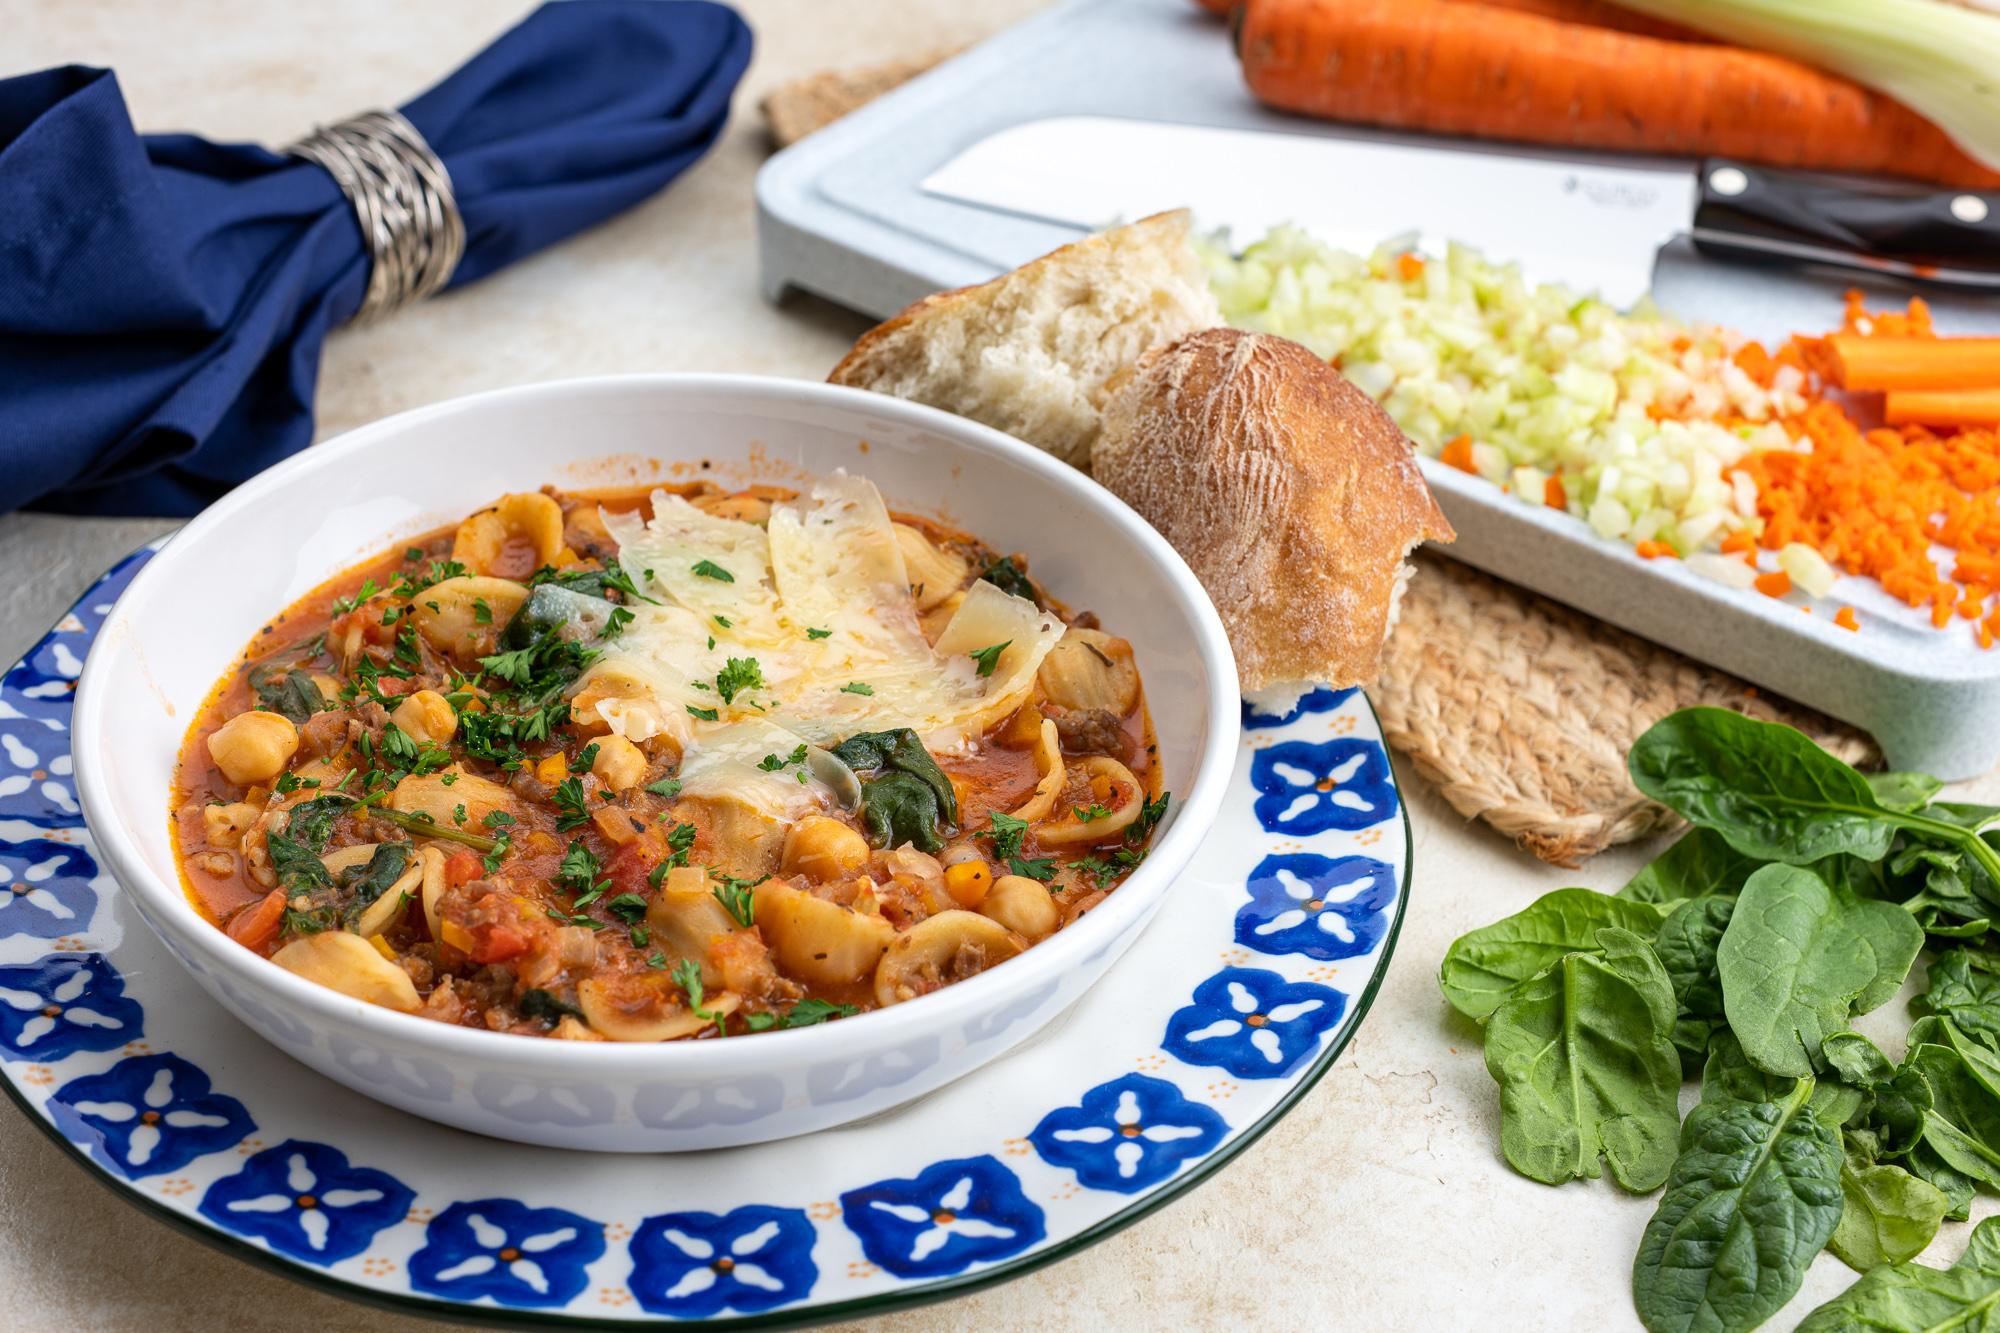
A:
{"x":911,"y":800}
{"x":1914,"y":1298}
{"x":1481,"y":967}
{"x":287,"y":691}
{"x":1753,"y":1196}
{"x":1967,"y":994}
{"x":1010,"y":578}
{"x":1700,"y":862}
{"x":1766,"y":788}
{"x":1797,"y":959}
{"x":1586,"y":1067}
{"x":899,"y":808}
{"x":364,"y":884}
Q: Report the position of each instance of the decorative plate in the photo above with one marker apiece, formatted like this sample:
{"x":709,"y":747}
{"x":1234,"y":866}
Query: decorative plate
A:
{"x":1238,"y":997}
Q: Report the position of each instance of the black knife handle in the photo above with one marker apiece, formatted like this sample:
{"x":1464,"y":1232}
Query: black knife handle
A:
{"x":1753,"y":210}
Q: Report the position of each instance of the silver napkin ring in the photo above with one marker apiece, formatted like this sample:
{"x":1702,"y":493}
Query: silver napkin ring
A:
{"x":402,"y":198}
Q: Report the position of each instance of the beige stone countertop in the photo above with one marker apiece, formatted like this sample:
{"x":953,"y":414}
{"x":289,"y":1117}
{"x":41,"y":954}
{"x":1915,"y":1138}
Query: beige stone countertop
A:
{"x":1380,"y":1202}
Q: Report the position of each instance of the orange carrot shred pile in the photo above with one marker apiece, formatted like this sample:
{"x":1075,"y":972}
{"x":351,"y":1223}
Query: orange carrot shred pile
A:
{"x":1876,"y":502}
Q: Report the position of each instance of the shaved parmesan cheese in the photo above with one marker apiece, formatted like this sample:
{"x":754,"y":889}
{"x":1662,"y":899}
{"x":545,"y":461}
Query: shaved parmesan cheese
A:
{"x":831,"y":564}
{"x":726,"y":764}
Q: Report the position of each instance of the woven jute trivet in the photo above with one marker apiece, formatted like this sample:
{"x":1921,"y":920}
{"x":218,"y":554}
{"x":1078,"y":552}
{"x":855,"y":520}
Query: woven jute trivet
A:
{"x":1520,"y":710}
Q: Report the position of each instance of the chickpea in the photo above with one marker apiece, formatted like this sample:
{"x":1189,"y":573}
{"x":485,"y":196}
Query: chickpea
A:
{"x":1022,"y":905}
{"x":619,"y":763}
{"x":225,"y":825}
{"x":426,"y":716}
{"x":824,"y":849}
{"x":253,"y":747}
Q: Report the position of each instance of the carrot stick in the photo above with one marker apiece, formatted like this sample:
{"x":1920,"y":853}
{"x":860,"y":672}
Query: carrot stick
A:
{"x":1873,"y":362}
{"x":1942,"y":407}
{"x":1459,"y":68}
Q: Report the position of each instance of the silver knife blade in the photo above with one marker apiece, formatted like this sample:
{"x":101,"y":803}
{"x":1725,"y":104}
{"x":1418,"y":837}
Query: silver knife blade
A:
{"x":1592,"y":227}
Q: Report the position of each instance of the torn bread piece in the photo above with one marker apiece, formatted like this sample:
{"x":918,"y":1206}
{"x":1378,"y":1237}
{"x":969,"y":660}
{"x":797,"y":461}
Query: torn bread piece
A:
{"x":1289,"y":491}
{"x":1030,"y":352}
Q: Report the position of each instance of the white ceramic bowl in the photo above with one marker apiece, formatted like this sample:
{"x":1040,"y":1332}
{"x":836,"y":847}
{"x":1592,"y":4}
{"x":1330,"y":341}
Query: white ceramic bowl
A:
{"x":200,"y":600}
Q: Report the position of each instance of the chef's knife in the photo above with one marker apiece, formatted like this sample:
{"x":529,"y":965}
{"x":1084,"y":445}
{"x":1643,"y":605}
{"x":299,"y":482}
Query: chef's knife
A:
{"x":1587,"y":224}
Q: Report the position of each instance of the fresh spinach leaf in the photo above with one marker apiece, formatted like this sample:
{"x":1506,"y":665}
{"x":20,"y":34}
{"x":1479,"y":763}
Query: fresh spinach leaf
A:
{"x":1481,"y":967}
{"x":1728,"y":1076}
{"x":1968,"y":996}
{"x":1586,"y":1067}
{"x":1923,"y":1162}
{"x":1962,"y":1124}
{"x":1797,"y":959}
{"x":1895,"y":790}
{"x":1700,"y":863}
{"x":1857,"y":1060}
{"x":1753,"y":1196}
{"x":1915,"y":1298}
{"x":1686,"y":945}
{"x":1887,"y":1215}
{"x":547,"y":1006}
{"x":1763,"y":786}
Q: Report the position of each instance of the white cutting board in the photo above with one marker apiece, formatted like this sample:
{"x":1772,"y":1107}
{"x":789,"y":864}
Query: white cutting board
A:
{"x":842,"y":215}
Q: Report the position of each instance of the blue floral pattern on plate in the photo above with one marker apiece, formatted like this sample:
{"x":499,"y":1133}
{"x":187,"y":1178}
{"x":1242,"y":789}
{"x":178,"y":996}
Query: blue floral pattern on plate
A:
{"x":1253,"y":1023}
{"x":64,"y":1004}
{"x":1319,"y":699}
{"x":945,"y":1219}
{"x":1305,"y":788}
{"x":1324,"y":907}
{"x":1129,"y":1134}
{"x":694,"y":1265}
{"x":148,"y":1115}
{"x":506,"y":1252}
{"x":155,"y":1119}
{"x":304,"y":1200}
{"x":45,"y":888}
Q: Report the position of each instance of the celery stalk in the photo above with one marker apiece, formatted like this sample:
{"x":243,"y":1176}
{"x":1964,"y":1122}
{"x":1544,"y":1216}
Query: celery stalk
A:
{"x":1940,"y":59}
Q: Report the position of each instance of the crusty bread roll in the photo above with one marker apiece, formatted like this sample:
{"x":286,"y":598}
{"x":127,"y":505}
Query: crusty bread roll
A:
{"x":1290,"y":493}
{"x":1030,"y":352}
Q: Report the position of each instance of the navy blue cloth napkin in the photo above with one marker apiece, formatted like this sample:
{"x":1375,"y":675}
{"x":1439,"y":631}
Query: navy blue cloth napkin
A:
{"x":163,"y":298}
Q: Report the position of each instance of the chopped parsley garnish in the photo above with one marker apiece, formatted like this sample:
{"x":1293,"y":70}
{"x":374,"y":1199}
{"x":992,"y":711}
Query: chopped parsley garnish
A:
{"x":1006,"y":834}
{"x":1089,"y":814}
{"x":708,"y":569}
{"x":667,"y":787}
{"x":615,"y":623}
{"x":988,"y":658}
{"x":819,"y":634}
{"x":857,"y":687}
{"x":687,"y":975}
{"x":771,"y":763}
{"x":724,"y":621}
{"x":735,"y":897}
{"x":641,"y":937}
{"x":288,"y":783}
{"x":343,"y":605}
{"x":705,"y":714}
{"x":413,"y":553}
{"x":1150,"y":814}
{"x":804,"y":1014}
{"x":584,"y":758}
{"x":579,"y":873}
{"x":481,"y":613}
{"x":737,"y":675}
{"x":571,"y":812}
{"x":629,"y":908}
{"x":680,"y":839}
{"x":1042,"y":868}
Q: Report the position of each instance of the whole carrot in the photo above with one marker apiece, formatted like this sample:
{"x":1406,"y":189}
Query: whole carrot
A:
{"x":1460,"y":68}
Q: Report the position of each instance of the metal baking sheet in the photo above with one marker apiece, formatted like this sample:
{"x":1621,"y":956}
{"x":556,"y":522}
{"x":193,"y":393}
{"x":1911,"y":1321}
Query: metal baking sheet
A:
{"x":841,"y":215}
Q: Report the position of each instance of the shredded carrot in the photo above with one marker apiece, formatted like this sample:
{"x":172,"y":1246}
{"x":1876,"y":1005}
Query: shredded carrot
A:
{"x":1553,"y":494}
{"x":1846,"y":619}
{"x":1409,"y":267}
{"x":1457,"y":453}
{"x":1654,"y":550}
{"x":1774,"y":584}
